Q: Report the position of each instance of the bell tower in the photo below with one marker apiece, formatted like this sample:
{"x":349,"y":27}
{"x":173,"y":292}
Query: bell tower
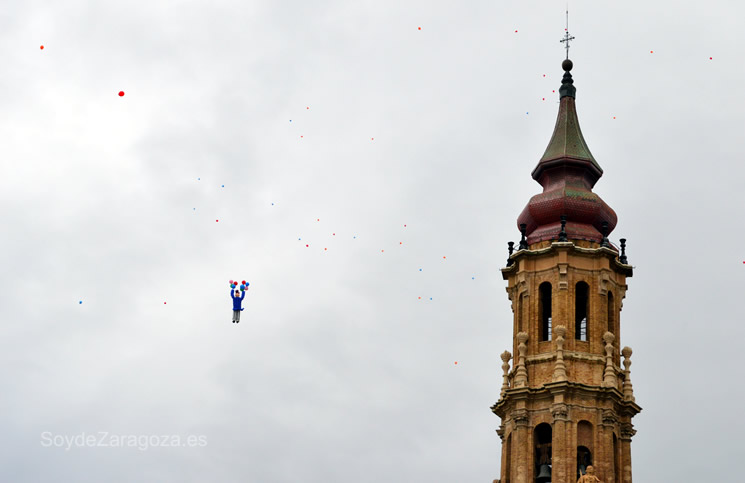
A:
{"x":567,"y":402}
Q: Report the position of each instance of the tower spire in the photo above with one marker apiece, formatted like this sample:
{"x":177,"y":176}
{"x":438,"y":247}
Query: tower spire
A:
{"x":567,"y":38}
{"x":567,"y":171}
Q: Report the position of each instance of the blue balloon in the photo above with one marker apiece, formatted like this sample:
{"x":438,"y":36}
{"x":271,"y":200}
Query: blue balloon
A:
{"x":247,"y":284}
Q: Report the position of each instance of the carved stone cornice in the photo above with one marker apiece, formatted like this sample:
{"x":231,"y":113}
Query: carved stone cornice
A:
{"x":627,"y":431}
{"x":560,"y":411}
{"x":574,"y":355}
{"x":610,"y":418}
{"x":622,"y":290}
{"x":563,"y":283}
{"x":520,"y":417}
{"x":522,"y":285}
{"x":604,"y":281}
{"x":500,"y":432}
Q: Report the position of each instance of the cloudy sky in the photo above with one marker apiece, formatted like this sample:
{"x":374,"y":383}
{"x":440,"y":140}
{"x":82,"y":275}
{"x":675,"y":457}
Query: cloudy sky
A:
{"x":373,"y":173}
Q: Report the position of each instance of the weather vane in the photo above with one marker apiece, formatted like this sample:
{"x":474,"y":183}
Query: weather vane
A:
{"x":567,"y":38}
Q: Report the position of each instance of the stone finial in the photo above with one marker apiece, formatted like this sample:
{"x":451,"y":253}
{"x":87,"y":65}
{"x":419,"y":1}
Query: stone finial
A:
{"x":623,"y":258}
{"x":628,"y":389}
{"x":604,"y":227}
{"x":506,"y":356}
{"x":563,"y":233}
{"x":523,"y":242}
{"x":609,"y":376}
{"x":510,"y":249}
{"x":560,"y":370}
{"x":521,"y":374}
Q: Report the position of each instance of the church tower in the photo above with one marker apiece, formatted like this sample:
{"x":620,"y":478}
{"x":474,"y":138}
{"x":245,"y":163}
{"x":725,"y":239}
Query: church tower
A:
{"x":567,"y":403}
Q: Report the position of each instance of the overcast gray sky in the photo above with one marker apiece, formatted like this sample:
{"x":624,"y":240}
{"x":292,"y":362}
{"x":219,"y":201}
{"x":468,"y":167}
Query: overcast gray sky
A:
{"x":402,"y":158}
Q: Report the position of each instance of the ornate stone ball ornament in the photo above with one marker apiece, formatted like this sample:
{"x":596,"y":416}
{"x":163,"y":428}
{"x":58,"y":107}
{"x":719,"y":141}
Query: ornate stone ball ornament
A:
{"x":521,"y":374}
{"x":560,"y":370}
{"x":609,"y":376}
{"x":506,"y":356}
{"x":628,"y":389}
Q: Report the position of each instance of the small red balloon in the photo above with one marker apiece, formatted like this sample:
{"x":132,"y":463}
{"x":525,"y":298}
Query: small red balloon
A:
{"x":121,"y":93}
{"x":164,"y":303}
{"x":216,"y":221}
{"x":42,"y":47}
{"x":420,"y":28}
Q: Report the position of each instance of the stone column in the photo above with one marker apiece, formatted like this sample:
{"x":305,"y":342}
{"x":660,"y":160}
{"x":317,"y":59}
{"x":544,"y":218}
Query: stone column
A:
{"x":521,"y":373}
{"x":609,"y":376}
{"x":521,"y":447}
{"x":506,"y":356}
{"x":503,"y":468}
{"x":627,"y":431}
{"x":560,"y":370}
{"x":609,"y":421}
{"x":560,"y":463}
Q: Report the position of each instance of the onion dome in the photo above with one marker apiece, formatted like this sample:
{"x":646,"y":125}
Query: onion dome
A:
{"x":567,"y":171}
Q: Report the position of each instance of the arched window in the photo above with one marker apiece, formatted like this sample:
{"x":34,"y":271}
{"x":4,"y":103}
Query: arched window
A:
{"x":584,"y":459}
{"x":585,"y":440}
{"x":545,"y":310}
{"x":542,"y":439}
{"x":611,"y":314}
{"x":519,"y":314}
{"x":581,"y":306}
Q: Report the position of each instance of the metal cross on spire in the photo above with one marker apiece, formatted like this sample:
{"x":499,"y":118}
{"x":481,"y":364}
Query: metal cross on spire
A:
{"x":567,"y":38}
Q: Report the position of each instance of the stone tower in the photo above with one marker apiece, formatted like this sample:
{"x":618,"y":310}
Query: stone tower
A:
{"x":566,"y":403}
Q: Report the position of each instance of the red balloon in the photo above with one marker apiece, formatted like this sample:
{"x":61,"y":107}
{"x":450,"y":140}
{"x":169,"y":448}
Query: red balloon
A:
{"x":243,"y":282}
{"x":121,"y":93}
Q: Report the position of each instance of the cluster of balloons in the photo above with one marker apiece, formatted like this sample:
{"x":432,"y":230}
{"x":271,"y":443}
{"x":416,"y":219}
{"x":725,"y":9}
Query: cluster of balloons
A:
{"x":234,"y":283}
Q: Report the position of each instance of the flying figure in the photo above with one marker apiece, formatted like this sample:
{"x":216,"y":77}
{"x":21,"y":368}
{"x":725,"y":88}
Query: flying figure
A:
{"x":237,"y":299}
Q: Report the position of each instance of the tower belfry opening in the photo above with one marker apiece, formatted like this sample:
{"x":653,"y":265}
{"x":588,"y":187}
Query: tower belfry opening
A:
{"x":566,"y":403}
